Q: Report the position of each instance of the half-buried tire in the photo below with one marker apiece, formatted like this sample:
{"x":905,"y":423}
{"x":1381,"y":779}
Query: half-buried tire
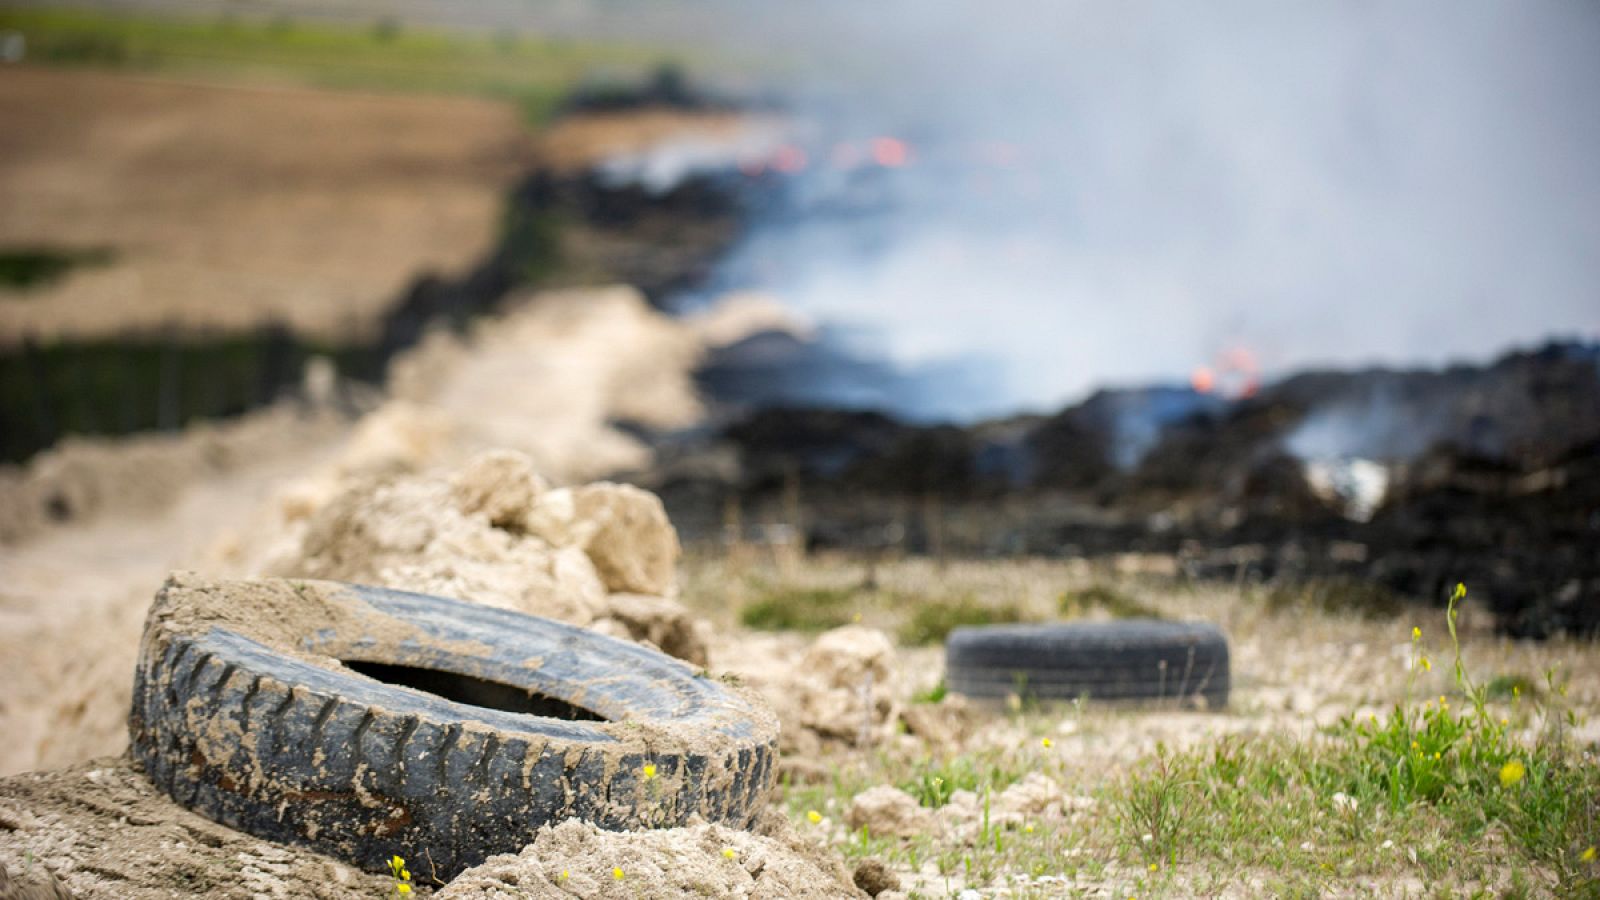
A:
{"x":367,"y":723}
{"x":1124,"y":660}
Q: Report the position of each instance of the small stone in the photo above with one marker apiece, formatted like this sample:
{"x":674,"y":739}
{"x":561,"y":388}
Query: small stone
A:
{"x":872,"y":876}
{"x":885,"y":810}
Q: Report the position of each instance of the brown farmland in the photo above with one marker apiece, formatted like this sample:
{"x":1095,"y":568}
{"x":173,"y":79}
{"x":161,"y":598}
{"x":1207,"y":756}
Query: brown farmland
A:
{"x":226,"y":207}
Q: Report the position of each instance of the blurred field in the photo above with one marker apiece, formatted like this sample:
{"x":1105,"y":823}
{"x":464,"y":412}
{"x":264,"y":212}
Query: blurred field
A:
{"x":384,"y":55}
{"x":206,"y":176}
{"x":224,"y":207}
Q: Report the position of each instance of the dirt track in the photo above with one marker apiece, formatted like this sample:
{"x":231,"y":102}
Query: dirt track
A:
{"x":228,"y":206}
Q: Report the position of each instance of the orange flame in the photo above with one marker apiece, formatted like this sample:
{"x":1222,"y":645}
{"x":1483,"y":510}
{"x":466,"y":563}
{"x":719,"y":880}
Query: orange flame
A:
{"x":1234,"y":372}
{"x":891,"y":153}
{"x":789,"y":159}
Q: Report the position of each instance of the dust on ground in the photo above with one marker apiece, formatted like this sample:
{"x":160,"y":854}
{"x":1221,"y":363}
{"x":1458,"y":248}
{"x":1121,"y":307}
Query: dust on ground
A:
{"x":229,"y":207}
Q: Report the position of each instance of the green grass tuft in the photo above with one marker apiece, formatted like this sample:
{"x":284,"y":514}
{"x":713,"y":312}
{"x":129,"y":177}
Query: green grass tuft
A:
{"x":932,"y":620}
{"x":801,"y":609}
{"x":1076,"y":604}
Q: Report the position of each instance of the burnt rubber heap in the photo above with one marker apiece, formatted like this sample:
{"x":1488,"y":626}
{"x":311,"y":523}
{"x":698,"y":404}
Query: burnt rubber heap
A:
{"x":453,"y":733}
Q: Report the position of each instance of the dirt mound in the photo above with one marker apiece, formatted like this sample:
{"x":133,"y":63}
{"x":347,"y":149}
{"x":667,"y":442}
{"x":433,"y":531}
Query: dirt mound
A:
{"x":84,"y":477}
{"x":551,"y":379}
{"x":105,"y":831}
{"x":601,"y":555}
{"x":701,"y":860}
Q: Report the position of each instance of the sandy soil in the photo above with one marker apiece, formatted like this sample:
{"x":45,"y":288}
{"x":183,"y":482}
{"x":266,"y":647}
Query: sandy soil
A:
{"x":229,"y":206}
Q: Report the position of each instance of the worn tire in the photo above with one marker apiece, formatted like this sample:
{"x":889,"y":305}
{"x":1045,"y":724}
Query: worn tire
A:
{"x":1124,"y":660}
{"x":244,"y":712}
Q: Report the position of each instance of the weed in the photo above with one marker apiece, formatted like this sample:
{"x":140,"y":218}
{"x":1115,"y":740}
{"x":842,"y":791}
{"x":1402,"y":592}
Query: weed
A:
{"x":1337,"y":596}
{"x":1077,"y":604}
{"x":934,"y":694}
{"x":1156,"y":803}
{"x":932,"y":620}
{"x":1426,"y":776}
{"x":1511,"y":687}
{"x":801,"y":609}
{"x":30,"y":267}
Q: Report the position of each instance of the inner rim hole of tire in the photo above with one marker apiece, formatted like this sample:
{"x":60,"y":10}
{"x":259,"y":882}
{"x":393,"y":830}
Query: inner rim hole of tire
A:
{"x":472,"y":691}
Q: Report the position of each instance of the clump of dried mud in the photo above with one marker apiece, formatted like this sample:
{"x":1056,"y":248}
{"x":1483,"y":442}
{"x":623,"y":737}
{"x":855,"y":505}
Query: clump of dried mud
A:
{"x":701,"y":860}
{"x":104,"y":830}
{"x":494,"y":532}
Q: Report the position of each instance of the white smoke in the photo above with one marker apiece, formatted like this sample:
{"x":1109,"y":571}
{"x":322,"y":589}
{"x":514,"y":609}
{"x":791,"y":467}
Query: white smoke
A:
{"x":1324,"y":183}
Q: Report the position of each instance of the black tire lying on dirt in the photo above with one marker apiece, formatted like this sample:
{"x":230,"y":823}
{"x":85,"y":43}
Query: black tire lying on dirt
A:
{"x":367,"y":723}
{"x":1124,"y":660}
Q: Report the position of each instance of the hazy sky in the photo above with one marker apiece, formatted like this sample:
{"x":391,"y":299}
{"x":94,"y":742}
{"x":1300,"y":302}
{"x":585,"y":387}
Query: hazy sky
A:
{"x":1118,"y":192}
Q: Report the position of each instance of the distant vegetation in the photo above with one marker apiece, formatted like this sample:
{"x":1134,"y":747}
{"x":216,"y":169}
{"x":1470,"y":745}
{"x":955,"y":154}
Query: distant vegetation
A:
{"x":535,"y":72}
{"x":27,"y":267}
{"x":801,"y":609}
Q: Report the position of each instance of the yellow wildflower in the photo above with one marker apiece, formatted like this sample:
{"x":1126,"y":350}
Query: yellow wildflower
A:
{"x":616,"y":872}
{"x":649,"y":771}
{"x":1045,"y":743}
{"x":1511,"y":773}
{"x":813,"y":817}
{"x":565,"y":875}
{"x":1154,"y":866}
{"x":400,"y":874}
{"x":1587,"y":855}
{"x":727,"y":853}
{"x":1427,"y":665}
{"x":1416,"y":634}
{"x":1028,"y":829}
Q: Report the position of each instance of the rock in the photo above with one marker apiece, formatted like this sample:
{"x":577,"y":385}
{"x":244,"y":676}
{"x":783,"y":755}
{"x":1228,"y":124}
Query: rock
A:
{"x":553,"y":518}
{"x":844,"y":690}
{"x":872,"y":876}
{"x":944,"y":724}
{"x":34,"y":885}
{"x":1036,"y":796}
{"x":500,"y":485}
{"x":886,"y":810}
{"x":493,"y":534}
{"x":634,"y":545}
{"x":846,"y":657}
{"x":663,"y":622}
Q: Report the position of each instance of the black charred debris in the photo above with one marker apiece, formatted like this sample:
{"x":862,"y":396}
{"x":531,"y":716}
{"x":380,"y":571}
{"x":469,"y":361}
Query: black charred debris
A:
{"x":1404,"y":481}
